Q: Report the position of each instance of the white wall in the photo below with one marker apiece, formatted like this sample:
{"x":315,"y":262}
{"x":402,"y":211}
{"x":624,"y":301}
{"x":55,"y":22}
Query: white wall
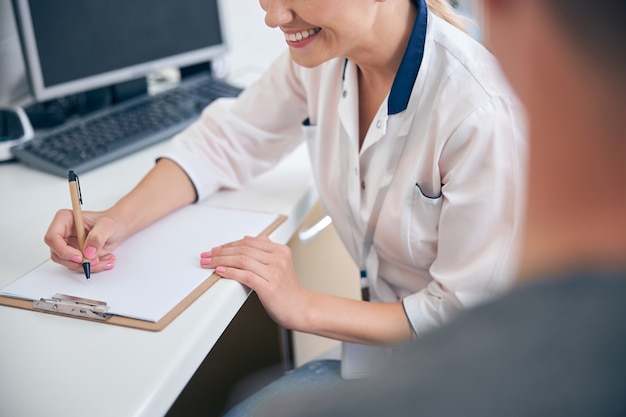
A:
{"x":13,"y":85}
{"x":253,"y":45}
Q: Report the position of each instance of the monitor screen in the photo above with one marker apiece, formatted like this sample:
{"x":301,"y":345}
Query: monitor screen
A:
{"x":73,"y":46}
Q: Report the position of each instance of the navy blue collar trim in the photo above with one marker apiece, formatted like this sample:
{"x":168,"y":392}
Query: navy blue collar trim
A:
{"x":411,"y":62}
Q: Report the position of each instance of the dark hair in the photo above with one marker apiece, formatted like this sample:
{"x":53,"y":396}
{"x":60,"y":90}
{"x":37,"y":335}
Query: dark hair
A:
{"x":597,"y":28}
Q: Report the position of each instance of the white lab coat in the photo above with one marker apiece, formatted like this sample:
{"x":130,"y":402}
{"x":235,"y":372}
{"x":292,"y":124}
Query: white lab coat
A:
{"x":448,"y":231}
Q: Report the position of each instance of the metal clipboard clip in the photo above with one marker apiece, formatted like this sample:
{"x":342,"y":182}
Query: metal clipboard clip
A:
{"x":73,"y":306}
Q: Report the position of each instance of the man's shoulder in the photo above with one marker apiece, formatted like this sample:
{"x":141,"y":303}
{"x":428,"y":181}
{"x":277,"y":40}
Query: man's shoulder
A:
{"x":559,"y":340}
{"x":567,"y":301}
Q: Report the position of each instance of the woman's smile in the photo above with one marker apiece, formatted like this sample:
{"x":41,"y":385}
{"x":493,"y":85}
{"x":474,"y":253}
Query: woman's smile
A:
{"x":301,"y":38}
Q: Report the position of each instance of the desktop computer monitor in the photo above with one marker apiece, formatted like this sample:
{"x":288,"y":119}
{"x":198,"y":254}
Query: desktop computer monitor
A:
{"x":72,"y":46}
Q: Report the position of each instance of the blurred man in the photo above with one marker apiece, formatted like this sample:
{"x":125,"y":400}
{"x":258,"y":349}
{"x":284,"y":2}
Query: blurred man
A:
{"x":555,"y":345}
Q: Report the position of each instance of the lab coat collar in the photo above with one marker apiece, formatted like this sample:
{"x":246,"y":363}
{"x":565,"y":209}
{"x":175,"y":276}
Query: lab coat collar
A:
{"x":410,"y":64}
{"x":398,"y":98}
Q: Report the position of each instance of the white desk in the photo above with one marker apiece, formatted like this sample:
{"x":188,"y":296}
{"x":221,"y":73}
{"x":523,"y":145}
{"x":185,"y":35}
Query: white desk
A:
{"x":57,"y":366}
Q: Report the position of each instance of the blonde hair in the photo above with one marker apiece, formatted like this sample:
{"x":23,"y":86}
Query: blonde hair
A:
{"x":444,"y":10}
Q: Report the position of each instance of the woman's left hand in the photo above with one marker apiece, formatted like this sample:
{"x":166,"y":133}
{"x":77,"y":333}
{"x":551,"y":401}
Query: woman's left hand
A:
{"x":267,"y":268}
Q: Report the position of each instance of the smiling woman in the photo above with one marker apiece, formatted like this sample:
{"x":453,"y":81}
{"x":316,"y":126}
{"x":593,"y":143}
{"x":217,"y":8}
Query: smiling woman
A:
{"x":417,"y":147}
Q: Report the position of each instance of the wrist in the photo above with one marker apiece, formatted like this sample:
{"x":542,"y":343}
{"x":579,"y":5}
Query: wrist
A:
{"x":306,"y":315}
{"x":122,"y":219}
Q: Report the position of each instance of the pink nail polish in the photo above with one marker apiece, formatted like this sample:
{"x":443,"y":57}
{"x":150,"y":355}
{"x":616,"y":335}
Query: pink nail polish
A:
{"x":205,"y":261}
{"x":90,"y":252}
{"x":220,"y":269}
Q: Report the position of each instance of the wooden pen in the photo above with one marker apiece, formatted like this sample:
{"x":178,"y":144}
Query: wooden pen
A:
{"x":77,"y":201}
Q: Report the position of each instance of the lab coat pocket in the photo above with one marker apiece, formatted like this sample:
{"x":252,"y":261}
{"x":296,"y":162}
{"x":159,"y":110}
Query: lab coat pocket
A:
{"x":424,"y":226}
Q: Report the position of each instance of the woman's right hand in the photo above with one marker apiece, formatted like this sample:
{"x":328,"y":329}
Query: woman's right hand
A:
{"x":103,"y":235}
{"x":164,"y":189}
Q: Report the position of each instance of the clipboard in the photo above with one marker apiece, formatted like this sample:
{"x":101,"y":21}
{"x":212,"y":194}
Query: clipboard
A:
{"x":196,"y":218}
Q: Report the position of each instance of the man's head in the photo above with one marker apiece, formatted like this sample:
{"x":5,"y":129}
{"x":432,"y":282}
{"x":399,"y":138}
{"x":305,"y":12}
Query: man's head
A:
{"x":565,"y":59}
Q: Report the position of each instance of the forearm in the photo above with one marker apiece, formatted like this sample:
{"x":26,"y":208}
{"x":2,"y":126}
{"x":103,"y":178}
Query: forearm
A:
{"x":164,"y":189}
{"x":357,"y":321}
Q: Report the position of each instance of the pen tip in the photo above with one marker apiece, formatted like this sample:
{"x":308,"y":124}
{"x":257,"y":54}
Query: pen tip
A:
{"x":87,"y":269}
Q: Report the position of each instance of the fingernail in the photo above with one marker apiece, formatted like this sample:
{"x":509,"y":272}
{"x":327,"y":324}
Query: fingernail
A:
{"x":89,"y":252}
{"x":76,"y":259}
{"x":108,"y":266}
{"x":220,"y":269}
{"x":205,"y":254}
{"x":205,"y":261}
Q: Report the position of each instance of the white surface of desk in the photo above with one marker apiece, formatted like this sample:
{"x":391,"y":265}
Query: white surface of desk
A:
{"x":56,"y":366}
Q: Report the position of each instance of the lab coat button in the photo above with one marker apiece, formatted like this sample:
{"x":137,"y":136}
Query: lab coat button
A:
{"x":345,"y":93}
{"x":378,"y":124}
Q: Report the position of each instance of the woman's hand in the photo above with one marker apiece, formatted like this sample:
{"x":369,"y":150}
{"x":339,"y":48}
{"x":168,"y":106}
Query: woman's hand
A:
{"x":267,"y":268}
{"x":164,"y":189}
{"x":103,"y":236}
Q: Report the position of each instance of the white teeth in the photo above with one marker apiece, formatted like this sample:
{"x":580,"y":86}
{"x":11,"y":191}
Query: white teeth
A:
{"x":300,"y":36}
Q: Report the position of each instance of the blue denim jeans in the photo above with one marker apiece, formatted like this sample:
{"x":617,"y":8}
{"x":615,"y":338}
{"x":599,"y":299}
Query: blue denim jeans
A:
{"x":315,"y":375}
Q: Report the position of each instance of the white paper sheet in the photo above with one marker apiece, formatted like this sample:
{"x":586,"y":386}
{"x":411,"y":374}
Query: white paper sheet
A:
{"x":154,"y":269}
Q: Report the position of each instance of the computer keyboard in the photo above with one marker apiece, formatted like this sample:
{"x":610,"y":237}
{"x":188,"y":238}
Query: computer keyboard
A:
{"x":86,"y":143}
